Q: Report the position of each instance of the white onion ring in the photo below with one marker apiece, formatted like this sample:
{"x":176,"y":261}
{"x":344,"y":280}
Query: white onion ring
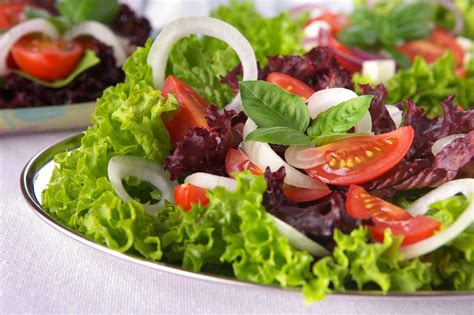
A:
{"x":297,"y":239}
{"x":161,"y":48}
{"x":421,"y":206}
{"x":102,"y":33}
{"x":210,"y":181}
{"x":365,"y":124}
{"x":122,"y":166}
{"x":440,"y":144}
{"x":18,"y":31}
{"x":327,"y":98}
{"x":303,"y":157}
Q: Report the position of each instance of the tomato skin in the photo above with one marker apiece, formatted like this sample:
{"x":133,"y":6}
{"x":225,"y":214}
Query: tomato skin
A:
{"x":192,"y":109}
{"x":336,"y":21}
{"x":46,"y":59}
{"x":11,"y":14}
{"x":298,"y":194}
{"x":433,"y":48}
{"x":291,"y":84}
{"x":413,"y":230}
{"x":358,"y":160}
{"x":236,"y":161}
{"x":361,"y":205}
{"x":185,"y":195}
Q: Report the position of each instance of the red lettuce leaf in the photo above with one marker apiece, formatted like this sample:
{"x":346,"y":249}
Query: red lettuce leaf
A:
{"x":381,"y":120}
{"x":204,"y":150}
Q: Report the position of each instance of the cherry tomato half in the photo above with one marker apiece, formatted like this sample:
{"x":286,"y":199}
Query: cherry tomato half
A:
{"x":45,"y":58}
{"x":361,"y":205}
{"x":192,"y":109}
{"x":185,"y":195}
{"x":357,"y":160}
{"x":291,"y":84}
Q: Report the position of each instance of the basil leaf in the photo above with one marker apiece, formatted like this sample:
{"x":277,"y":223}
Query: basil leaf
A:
{"x":59,"y":22}
{"x":279,"y":135}
{"x":340,"y":118}
{"x":76,"y":11}
{"x":89,"y":60}
{"x":268,"y":105}
{"x":325,"y":139}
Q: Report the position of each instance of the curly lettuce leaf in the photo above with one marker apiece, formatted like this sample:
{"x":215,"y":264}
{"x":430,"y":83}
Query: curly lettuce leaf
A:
{"x":453,"y":264}
{"x":428,"y":85}
{"x":126,"y":122}
{"x":201,"y":62}
{"x":356,"y":260}
{"x":235,"y":231}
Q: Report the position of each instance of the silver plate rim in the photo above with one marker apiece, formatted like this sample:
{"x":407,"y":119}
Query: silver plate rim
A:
{"x":28,"y":176}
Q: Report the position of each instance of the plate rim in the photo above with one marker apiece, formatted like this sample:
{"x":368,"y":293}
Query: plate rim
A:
{"x":27,"y":188}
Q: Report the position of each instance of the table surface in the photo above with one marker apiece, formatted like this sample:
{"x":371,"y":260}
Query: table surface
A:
{"x":44,"y":271}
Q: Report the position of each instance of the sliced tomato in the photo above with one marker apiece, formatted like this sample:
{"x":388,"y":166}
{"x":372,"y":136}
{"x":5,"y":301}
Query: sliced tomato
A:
{"x":343,"y":55}
{"x":185,"y":195}
{"x":357,"y":160}
{"x":11,"y":13}
{"x":236,"y":161}
{"x":192,"y":109}
{"x":433,"y":48}
{"x":46,"y":59}
{"x":291,"y":84}
{"x":336,"y":21}
{"x":413,"y":230}
{"x":361,"y":205}
{"x":298,"y":194}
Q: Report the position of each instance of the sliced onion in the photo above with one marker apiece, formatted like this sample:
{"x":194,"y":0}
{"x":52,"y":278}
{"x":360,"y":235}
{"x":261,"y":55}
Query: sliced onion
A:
{"x":122,"y":166}
{"x":365,"y":124}
{"x":297,"y":239}
{"x":440,"y":144}
{"x":161,"y":48}
{"x":210,"y":181}
{"x":324,"y":99}
{"x":421,"y":206}
{"x":303,"y":157}
{"x":18,"y":31}
{"x":102,"y":33}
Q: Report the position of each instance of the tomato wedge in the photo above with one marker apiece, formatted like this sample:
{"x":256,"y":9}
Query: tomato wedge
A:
{"x":433,"y":48}
{"x":357,"y":160}
{"x":192,"y":109}
{"x":361,"y":205}
{"x":185,"y":195}
{"x":291,"y":84}
{"x":11,"y":13}
{"x":46,"y":59}
{"x":236,"y":161}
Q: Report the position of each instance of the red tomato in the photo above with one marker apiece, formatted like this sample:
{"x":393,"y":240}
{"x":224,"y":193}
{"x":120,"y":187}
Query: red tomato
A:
{"x":46,"y":59}
{"x":361,"y":205}
{"x":413,"y":230}
{"x":192,"y":109}
{"x":11,"y":14}
{"x":357,"y":160}
{"x":343,"y":55}
{"x":433,"y":48}
{"x":236,"y":161}
{"x":291,"y":84}
{"x":336,"y":21}
{"x":185,"y":195}
{"x":298,"y":194}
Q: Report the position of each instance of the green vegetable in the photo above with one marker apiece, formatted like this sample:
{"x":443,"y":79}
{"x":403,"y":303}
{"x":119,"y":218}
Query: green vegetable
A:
{"x":279,"y":135}
{"x":59,"y":22}
{"x":89,"y":60}
{"x":387,"y":25}
{"x":202,"y":62}
{"x":234,"y":230}
{"x":340,"y":118}
{"x":369,"y":265}
{"x":446,"y":19}
{"x":453,"y":264}
{"x":76,"y":11}
{"x":429,"y":85}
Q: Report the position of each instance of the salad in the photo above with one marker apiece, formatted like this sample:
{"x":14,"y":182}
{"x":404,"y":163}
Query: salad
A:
{"x":64,"y":52}
{"x":239,"y":156}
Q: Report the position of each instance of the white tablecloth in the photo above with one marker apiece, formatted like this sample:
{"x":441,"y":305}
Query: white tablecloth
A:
{"x":44,"y":271}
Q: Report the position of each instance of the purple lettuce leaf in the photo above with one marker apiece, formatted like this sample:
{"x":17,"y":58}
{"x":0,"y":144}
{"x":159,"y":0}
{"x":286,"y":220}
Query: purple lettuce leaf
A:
{"x":381,"y":120}
{"x":204,"y":150}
